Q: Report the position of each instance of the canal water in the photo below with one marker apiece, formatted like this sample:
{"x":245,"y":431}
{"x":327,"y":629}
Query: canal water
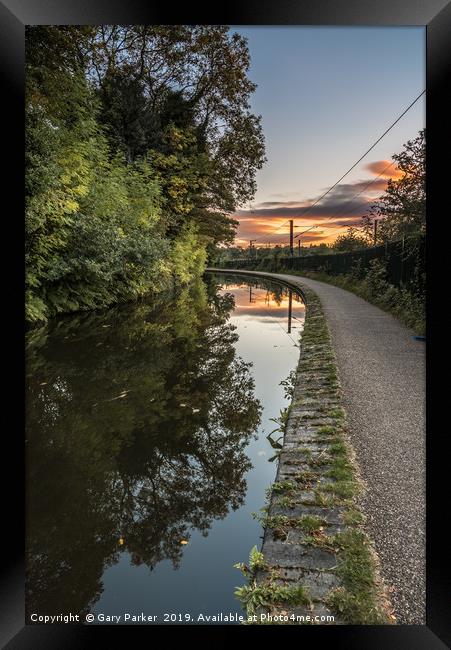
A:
{"x":147,"y":449}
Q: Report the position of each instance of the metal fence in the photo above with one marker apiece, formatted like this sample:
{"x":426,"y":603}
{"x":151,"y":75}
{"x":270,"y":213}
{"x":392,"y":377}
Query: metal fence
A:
{"x":404,"y":262}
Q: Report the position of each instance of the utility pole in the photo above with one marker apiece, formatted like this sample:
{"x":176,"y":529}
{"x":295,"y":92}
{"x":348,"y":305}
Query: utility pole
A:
{"x":291,"y":237}
{"x":299,"y":247}
{"x":375,"y":232}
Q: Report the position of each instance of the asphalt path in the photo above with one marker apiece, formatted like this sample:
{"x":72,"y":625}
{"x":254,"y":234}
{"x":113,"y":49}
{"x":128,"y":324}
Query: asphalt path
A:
{"x":382,"y":373}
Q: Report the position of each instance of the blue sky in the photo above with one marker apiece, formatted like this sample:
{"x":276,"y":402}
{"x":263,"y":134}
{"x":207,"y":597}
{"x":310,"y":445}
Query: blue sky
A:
{"x":325,"y":94}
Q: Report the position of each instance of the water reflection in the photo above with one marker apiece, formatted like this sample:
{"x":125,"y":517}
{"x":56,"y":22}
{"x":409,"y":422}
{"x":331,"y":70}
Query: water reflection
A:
{"x":142,"y":426}
{"x":260,"y":299}
{"x":137,"y":424}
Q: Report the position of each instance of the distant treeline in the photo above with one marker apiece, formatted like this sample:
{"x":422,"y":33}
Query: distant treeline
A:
{"x":140,"y":144}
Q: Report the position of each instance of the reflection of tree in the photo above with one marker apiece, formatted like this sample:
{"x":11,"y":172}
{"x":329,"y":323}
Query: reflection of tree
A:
{"x":137,"y":425}
{"x":277,"y":292}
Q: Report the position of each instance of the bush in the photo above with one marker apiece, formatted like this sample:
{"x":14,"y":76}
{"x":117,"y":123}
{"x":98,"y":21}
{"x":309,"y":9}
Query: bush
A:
{"x":188,"y":256}
{"x":376,"y":278}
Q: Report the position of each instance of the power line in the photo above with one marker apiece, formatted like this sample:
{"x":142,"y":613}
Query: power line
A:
{"x":306,"y":230}
{"x":340,"y":209}
{"x":360,"y":205}
{"x":362,"y":157}
{"x":276,"y":233}
{"x":309,"y":208}
{"x":272,"y":233}
{"x":363,"y":190}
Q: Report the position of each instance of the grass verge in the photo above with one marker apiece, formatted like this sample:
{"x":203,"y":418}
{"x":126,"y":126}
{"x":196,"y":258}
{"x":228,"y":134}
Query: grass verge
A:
{"x":407,"y":307}
{"x":328,"y":480}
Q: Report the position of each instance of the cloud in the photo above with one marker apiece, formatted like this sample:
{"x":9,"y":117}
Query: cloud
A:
{"x":378,"y":166}
{"x":343,"y":198}
{"x":344,"y":206}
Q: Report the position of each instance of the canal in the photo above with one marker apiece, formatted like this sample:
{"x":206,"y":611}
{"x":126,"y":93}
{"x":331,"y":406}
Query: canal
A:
{"x":147,"y":448}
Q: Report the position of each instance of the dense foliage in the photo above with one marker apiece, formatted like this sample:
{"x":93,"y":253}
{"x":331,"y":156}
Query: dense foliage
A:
{"x":351,"y":240}
{"x":401,"y":210}
{"x":140,"y":143}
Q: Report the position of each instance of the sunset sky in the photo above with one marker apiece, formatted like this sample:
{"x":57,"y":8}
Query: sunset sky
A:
{"x":325,"y":95}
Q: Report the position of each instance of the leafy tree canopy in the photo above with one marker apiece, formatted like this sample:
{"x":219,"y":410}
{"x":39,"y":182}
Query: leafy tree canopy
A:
{"x":350,"y":241}
{"x":402,"y":208}
{"x":140,"y":140}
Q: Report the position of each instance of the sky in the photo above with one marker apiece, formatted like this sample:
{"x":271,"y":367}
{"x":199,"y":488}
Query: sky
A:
{"x":325,"y":95}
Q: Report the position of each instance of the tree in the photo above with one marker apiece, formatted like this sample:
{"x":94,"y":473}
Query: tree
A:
{"x":59,"y":133}
{"x":137,"y":137}
{"x":129,"y":122}
{"x":190,"y":77}
{"x":402,"y":208}
{"x":350,"y":241}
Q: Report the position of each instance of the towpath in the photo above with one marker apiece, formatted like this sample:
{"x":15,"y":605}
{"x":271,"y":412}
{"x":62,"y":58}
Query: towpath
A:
{"x":382,"y":373}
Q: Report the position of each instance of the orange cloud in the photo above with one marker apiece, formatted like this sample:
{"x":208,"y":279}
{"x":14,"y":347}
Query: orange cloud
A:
{"x":343,"y":207}
{"x":283,"y":237}
{"x":269,"y":230}
{"x":379,"y":166}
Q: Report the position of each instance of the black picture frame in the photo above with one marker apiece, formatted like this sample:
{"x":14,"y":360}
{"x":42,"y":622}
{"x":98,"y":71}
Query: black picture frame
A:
{"x":14,"y":15}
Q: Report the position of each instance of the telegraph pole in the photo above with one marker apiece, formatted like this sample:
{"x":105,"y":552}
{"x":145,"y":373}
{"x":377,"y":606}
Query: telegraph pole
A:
{"x":299,"y":247}
{"x":291,"y":237}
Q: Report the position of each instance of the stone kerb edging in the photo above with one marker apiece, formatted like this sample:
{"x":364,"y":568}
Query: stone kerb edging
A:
{"x":316,"y":558}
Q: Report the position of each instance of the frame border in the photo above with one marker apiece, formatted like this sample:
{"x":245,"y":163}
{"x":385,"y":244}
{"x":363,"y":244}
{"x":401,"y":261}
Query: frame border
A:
{"x":435,"y":15}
